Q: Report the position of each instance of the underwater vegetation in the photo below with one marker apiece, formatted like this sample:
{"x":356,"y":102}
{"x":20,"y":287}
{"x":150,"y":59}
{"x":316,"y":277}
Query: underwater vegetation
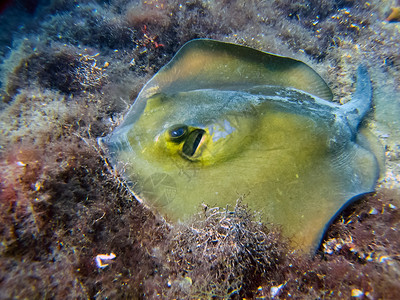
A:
{"x":69,"y":73}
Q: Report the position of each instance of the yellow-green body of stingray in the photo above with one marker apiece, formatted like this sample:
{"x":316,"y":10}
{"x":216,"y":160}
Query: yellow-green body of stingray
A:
{"x":221,"y":121}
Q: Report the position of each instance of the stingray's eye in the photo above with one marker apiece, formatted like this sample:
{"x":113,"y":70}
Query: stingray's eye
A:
{"x":192,"y":143}
{"x":177,"y":133}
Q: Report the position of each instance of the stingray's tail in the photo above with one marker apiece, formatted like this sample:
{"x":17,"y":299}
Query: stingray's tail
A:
{"x":356,"y":109}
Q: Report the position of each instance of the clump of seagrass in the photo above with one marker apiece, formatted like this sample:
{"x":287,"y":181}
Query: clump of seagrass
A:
{"x":224,"y":253}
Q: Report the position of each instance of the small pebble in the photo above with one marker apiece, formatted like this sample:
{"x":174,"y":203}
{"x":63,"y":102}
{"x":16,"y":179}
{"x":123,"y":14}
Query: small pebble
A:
{"x":356,"y":293}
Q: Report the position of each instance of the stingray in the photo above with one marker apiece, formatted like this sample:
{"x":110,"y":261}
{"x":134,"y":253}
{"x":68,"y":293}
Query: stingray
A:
{"x":222,"y":120}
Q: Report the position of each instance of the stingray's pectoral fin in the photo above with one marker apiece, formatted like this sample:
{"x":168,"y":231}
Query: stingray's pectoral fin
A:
{"x":360,"y":172}
{"x":208,"y":64}
{"x":368,"y":169}
{"x":323,"y":235}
